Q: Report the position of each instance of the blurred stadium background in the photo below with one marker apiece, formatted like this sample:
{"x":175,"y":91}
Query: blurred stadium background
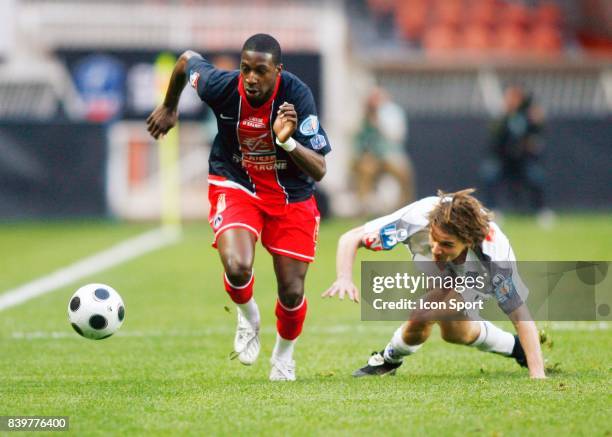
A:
{"x":77,"y":79}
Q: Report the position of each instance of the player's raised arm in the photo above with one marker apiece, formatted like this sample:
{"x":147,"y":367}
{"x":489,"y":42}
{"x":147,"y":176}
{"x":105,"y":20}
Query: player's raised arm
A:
{"x":164,"y":116}
{"x":309,"y":161}
{"x":345,"y":257}
{"x":530,"y":340}
{"x":368,"y":236}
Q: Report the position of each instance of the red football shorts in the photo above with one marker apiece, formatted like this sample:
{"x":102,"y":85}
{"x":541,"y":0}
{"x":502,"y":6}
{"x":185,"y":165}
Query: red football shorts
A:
{"x":285,"y":229}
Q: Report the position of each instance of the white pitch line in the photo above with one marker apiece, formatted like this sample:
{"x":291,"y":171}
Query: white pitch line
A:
{"x":120,"y":253}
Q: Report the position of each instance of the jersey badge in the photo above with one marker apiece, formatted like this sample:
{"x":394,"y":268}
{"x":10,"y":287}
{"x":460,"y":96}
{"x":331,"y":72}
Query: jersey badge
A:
{"x":194,"y":77}
{"x":504,"y":287}
{"x":388,"y":238}
{"x":310,"y":126}
{"x":318,"y":142}
{"x":401,"y":235}
{"x":217,"y":221}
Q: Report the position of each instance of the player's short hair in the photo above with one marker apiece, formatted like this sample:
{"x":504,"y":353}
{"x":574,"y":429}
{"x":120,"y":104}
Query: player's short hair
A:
{"x":264,"y":43}
{"x":462,"y":215}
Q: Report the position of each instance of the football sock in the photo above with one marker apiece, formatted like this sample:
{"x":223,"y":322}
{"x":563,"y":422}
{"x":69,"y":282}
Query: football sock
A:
{"x":397,"y":348}
{"x":493,"y":339}
{"x":250,"y":311}
{"x":283,"y":349}
{"x":242,"y":293}
{"x":242,"y":296}
{"x":289,"y":321}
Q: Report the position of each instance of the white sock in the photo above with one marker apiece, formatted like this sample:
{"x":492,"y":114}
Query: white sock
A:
{"x":283,"y":349}
{"x":493,"y":339}
{"x":397,"y":348}
{"x":250,"y":311}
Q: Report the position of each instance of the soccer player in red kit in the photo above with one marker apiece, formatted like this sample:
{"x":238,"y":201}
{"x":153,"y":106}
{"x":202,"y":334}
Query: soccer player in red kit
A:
{"x":264,"y":160}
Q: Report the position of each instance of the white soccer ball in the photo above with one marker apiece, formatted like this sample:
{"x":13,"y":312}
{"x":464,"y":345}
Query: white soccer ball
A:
{"x":96,"y":311}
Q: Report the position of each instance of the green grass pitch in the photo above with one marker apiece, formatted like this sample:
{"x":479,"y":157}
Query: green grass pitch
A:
{"x":167,"y":371}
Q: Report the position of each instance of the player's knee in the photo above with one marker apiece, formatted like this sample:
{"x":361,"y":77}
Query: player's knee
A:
{"x":451,"y":334}
{"x":238,"y":270}
{"x":420,"y":318}
{"x":291,"y":292}
{"x":416,"y":332}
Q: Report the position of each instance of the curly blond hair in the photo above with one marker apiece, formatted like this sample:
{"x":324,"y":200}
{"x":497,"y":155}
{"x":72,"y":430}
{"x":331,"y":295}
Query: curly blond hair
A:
{"x":462,"y":215}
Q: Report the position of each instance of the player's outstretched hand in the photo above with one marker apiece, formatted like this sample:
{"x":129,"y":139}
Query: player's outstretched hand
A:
{"x":161,"y":120}
{"x":341,"y":287}
{"x":286,"y":122}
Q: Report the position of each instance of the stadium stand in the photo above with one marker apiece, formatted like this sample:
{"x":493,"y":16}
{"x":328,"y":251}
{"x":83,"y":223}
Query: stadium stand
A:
{"x":484,"y":27}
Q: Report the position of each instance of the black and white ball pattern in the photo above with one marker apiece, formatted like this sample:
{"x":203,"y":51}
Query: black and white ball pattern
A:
{"x":96,"y":311}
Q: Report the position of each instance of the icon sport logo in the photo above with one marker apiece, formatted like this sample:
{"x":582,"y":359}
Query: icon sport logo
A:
{"x":310,"y":125}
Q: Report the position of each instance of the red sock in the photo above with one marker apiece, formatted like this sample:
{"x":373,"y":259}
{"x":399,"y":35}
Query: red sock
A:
{"x":240,"y":294}
{"x":289,"y":321}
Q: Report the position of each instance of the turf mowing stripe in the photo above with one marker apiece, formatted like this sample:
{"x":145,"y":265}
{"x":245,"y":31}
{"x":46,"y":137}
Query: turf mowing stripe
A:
{"x":120,"y":253}
{"x":331,"y":329}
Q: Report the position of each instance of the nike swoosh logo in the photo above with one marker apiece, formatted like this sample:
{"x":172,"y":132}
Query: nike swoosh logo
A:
{"x":223,"y":117}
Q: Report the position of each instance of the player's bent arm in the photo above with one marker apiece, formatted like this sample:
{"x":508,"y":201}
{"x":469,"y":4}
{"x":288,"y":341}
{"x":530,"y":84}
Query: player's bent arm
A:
{"x":309,"y":161}
{"x":530,"y":340}
{"x":348,"y":244}
{"x":178,"y":80}
{"x":164,"y":116}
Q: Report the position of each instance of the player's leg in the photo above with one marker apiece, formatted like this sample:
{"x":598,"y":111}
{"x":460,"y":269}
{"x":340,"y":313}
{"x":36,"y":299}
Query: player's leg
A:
{"x":464,"y":332}
{"x":237,"y":251}
{"x":459,"y":327}
{"x":462,"y":328}
{"x":290,"y":235}
{"x":484,"y":336}
{"x":406,"y":340}
{"x":291,"y":308}
{"x":237,"y":224}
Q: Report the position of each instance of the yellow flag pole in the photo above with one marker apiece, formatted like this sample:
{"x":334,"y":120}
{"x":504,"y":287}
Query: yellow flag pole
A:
{"x":168,"y":151}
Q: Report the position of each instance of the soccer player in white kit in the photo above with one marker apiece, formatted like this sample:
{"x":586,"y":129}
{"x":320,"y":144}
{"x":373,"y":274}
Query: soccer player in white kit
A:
{"x":451,"y":228}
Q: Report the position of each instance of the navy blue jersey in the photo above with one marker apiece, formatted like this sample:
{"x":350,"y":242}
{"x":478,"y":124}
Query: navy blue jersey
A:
{"x":244,"y":153}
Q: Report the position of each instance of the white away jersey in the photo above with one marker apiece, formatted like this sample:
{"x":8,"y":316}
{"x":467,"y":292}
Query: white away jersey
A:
{"x":409,"y":226}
